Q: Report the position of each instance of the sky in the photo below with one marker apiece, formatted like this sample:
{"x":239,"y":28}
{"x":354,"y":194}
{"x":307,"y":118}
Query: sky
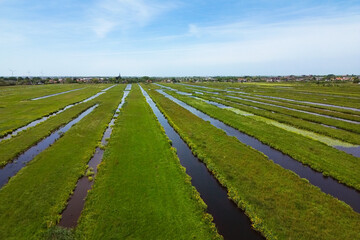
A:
{"x":179,"y":37}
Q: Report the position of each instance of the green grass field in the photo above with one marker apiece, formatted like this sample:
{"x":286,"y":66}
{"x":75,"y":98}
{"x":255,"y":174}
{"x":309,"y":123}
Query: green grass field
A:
{"x":21,"y":93}
{"x":280,"y":204}
{"x":14,"y":146}
{"x":141,"y":191}
{"x":317,"y":155}
{"x":22,"y":110}
{"x":142,"y":180}
{"x":32,"y":200}
{"x":339,"y":92}
{"x":349,"y":133}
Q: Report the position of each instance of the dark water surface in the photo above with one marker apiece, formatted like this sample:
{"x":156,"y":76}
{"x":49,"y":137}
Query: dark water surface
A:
{"x":12,"y":168}
{"x":55,"y":94}
{"x":312,"y":103}
{"x":287,"y":99}
{"x":76,"y":202}
{"x":43,"y":119}
{"x":355,"y":151}
{"x":326,"y":184}
{"x":231,"y":221}
{"x":293,"y":109}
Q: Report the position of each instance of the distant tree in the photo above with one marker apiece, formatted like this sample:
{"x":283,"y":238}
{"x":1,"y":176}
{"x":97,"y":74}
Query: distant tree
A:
{"x":69,"y":80}
{"x":145,"y":78}
{"x":95,"y":80}
{"x":114,"y":80}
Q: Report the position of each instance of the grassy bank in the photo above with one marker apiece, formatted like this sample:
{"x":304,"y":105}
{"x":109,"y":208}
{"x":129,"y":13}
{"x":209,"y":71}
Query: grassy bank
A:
{"x":343,"y":135}
{"x":279,"y":102}
{"x":341,"y":94}
{"x":280,"y":204}
{"x":340,"y":134}
{"x":10,"y":94}
{"x":330,"y":161}
{"x":32,"y":201}
{"x":352,"y":127}
{"x":16,"y":145}
{"x":141,"y":190}
{"x":23,"y":110}
{"x":305,"y":108}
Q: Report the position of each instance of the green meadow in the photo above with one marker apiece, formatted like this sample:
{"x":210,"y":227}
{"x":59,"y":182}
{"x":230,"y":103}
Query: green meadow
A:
{"x":140,"y":190}
{"x":277,"y":201}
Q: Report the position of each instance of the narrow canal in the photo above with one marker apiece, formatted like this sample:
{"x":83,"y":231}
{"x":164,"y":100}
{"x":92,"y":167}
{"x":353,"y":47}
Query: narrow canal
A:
{"x":354,"y":150}
{"x":14,"y":167}
{"x":231,"y":221}
{"x":43,"y":119}
{"x":75,"y":205}
{"x":326,"y":184}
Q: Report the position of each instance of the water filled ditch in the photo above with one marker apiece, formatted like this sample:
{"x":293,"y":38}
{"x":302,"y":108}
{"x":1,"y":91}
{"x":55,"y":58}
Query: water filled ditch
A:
{"x":231,"y":222}
{"x":55,"y":94}
{"x":326,"y":184}
{"x":293,"y":109}
{"x":34,"y":123}
{"x":312,"y":103}
{"x":286,"y":99}
{"x":314,"y":108}
{"x":190,"y":95}
{"x":12,"y":168}
{"x":75,"y":205}
{"x":43,"y":119}
{"x":328,"y":95}
{"x":269,"y":104}
{"x":355,"y":151}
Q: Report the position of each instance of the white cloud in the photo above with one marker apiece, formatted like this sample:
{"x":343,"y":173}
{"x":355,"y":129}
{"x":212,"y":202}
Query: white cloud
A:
{"x":125,"y":14}
{"x":314,"y":45}
{"x":103,"y":26}
{"x":193,"y":30}
{"x":254,"y":29}
{"x":301,"y":47}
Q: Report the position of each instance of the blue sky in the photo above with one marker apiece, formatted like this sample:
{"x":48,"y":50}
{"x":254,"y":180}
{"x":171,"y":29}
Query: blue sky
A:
{"x":178,"y":37}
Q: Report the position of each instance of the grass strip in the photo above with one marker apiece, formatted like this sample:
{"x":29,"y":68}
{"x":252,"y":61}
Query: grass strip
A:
{"x":352,"y":127}
{"x":16,"y":145}
{"x":10,"y":94}
{"x":339,"y":134}
{"x":315,"y":98}
{"x":31,"y":202}
{"x":141,"y":190}
{"x":280,"y":204}
{"x":307,"y":108}
{"x":313,"y":92}
{"x":325,"y":159}
{"x":255,"y":90}
{"x":26,"y":111}
{"x":293,"y":105}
